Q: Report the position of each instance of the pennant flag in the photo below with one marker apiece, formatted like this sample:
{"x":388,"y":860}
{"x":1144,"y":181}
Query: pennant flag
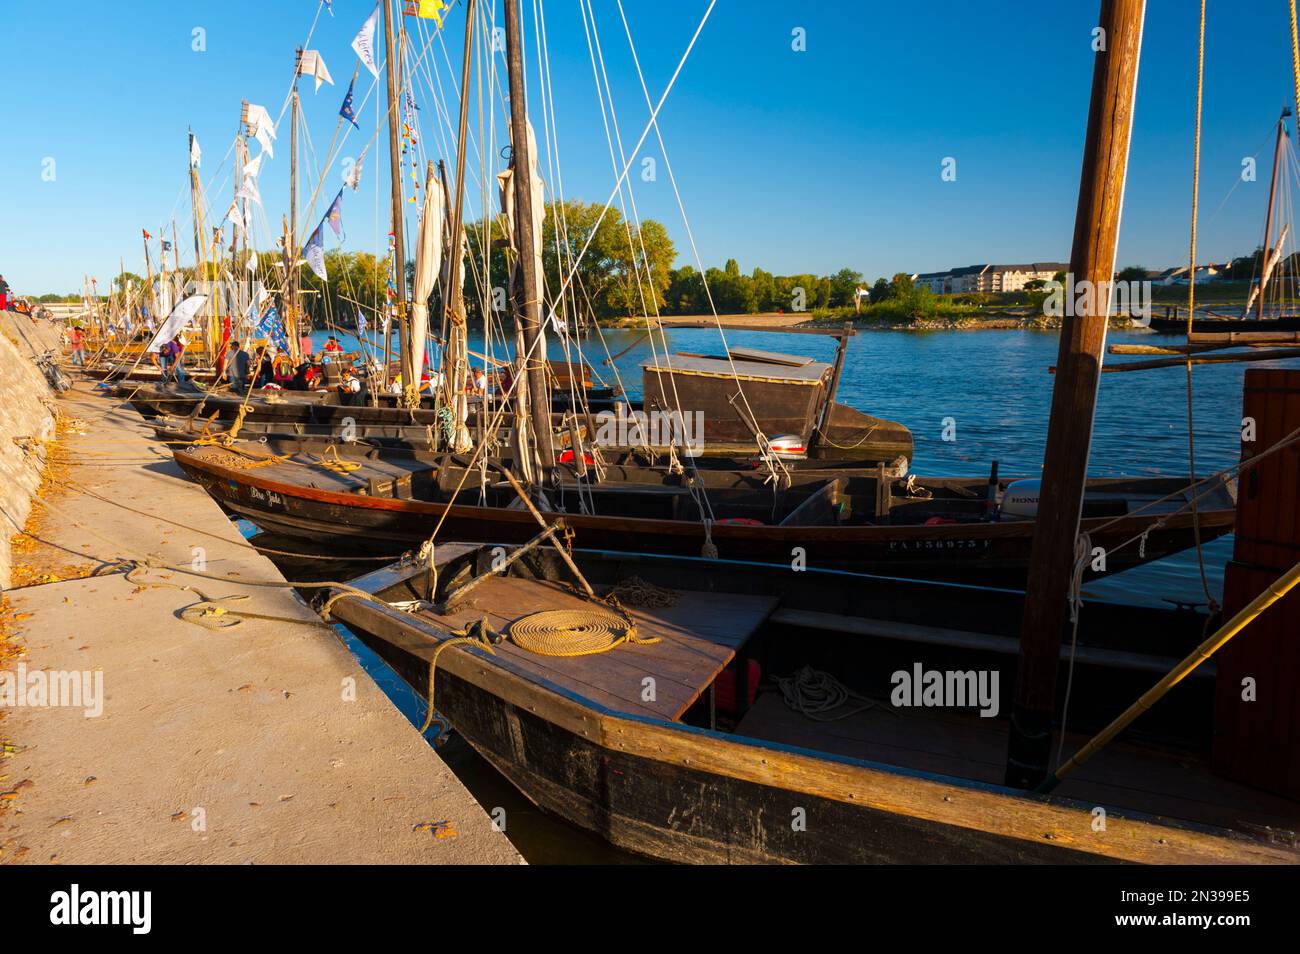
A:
{"x":313,"y":64}
{"x":195,"y":152}
{"x":167,"y":246}
{"x":362,"y":324}
{"x":314,"y":253}
{"x":249,"y":191}
{"x":432,"y":10}
{"x":364,"y":42}
{"x":147,"y":236}
{"x":253,"y":168}
{"x":260,"y":125}
{"x":353,"y":179}
{"x":346,"y":109}
{"x":335,"y":215}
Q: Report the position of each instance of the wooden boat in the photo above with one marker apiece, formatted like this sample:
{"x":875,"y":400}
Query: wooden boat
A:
{"x":784,"y":395}
{"x":657,"y":748}
{"x":363,"y":499}
{"x":145,"y":373}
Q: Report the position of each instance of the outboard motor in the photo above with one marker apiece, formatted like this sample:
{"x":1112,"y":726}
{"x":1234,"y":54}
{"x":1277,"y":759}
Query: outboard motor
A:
{"x":1020,"y":499}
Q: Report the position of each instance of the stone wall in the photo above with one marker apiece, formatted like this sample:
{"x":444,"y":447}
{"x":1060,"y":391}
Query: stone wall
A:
{"x":26,"y":422}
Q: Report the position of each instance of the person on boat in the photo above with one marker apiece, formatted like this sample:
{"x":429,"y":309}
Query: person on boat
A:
{"x":332,"y":347}
{"x":78,"y":342}
{"x":4,"y":294}
{"x":480,"y":381}
{"x":351,"y":391}
{"x":178,"y":359}
{"x":261,"y":368}
{"x":306,"y":375}
{"x":237,"y":368}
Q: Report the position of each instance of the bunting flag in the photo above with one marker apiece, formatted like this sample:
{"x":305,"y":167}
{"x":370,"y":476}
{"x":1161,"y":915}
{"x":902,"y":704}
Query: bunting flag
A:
{"x":314,"y":253}
{"x":195,"y":152}
{"x":353,"y":179}
{"x":364,"y":42}
{"x":335,"y":215}
{"x":432,"y":10}
{"x":362,"y":325}
{"x":346,"y":109}
{"x":249,"y":190}
{"x":253,"y":168}
{"x":313,"y":64}
{"x":167,"y":246}
{"x":263,"y":130}
{"x":147,"y":236}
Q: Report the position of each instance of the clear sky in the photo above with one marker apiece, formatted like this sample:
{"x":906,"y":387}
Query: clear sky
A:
{"x":795,"y":161}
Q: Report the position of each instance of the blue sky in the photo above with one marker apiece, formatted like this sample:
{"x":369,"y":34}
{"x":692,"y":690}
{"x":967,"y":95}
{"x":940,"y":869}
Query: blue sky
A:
{"x":793,"y":161}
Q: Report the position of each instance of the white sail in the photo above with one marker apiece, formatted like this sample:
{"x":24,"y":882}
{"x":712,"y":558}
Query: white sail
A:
{"x":1269,"y":265}
{"x":178,"y":320}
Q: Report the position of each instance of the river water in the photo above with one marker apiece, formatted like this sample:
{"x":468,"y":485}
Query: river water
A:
{"x":996,"y":389}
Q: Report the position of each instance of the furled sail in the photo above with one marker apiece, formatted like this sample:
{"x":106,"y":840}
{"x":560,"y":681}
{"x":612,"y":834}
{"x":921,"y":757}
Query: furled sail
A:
{"x":1272,"y":261}
{"x":428,"y":260}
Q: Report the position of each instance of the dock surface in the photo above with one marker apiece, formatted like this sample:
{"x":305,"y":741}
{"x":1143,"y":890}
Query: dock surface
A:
{"x":265,"y":743}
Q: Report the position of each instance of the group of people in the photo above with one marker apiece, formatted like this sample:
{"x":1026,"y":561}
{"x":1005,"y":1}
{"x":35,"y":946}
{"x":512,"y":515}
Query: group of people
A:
{"x":262,"y":368}
{"x":11,"y":302}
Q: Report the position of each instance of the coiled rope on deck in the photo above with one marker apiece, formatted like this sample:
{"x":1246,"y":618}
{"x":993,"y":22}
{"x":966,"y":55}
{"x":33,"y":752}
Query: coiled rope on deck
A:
{"x":574,"y":632}
{"x":817,"y":695}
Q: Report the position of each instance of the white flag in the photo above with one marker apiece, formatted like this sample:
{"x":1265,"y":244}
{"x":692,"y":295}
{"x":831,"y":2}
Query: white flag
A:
{"x":364,"y":42}
{"x":313,"y":64}
{"x":353,"y":179}
{"x":195,"y":152}
{"x":177,"y":321}
{"x":253,"y":168}
{"x":249,"y":191}
{"x":260,"y":125}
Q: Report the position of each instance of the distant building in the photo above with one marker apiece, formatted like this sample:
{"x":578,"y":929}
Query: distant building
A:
{"x":988,"y":278}
{"x":1178,"y":276}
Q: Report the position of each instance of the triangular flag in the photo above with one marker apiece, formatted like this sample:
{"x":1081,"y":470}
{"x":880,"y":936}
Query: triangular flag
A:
{"x":195,"y":152}
{"x":253,"y":168}
{"x":364,"y":42}
{"x":260,"y":125}
{"x":249,"y":191}
{"x":313,"y":64}
{"x":353,"y":179}
{"x":346,"y":109}
{"x":335,"y":215}
{"x":314,"y":253}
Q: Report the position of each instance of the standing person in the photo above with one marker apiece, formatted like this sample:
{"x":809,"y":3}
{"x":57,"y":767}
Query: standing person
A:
{"x":78,"y":342}
{"x":237,"y":368}
{"x":178,"y":359}
{"x":4,"y":294}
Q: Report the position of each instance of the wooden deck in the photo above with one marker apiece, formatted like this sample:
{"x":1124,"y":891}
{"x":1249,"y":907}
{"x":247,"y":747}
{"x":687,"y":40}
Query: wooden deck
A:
{"x":380,"y":476}
{"x":699,"y":635}
{"x":1122,"y":776}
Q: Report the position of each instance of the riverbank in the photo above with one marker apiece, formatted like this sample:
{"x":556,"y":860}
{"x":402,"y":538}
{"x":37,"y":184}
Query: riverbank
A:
{"x":1002,"y":320}
{"x":264,"y":743}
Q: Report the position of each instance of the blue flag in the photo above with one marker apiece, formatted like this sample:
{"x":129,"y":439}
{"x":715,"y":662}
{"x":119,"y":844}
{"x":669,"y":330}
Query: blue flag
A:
{"x":335,"y":215}
{"x":362,"y":325}
{"x":346,"y":110}
{"x":314,"y":253}
{"x":270,"y":326}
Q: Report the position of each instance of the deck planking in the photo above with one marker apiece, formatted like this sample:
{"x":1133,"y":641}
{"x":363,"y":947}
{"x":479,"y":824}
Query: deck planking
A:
{"x":699,"y":635}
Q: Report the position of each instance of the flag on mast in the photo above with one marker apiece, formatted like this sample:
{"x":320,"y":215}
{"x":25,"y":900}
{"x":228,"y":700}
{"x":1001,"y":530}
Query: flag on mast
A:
{"x":313,"y":64}
{"x":314,"y":253}
{"x":260,"y":125}
{"x":346,"y":110}
{"x":195,"y":152}
{"x":364,"y":42}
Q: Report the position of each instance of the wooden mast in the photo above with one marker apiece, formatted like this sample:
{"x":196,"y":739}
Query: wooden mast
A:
{"x":528,"y":307}
{"x":1074,"y":396}
{"x":455,"y":354}
{"x":291,"y":280}
{"x":1268,"y":218}
{"x":395,"y":170}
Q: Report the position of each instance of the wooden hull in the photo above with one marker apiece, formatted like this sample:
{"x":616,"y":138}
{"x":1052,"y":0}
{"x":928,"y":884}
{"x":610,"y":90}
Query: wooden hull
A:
{"x":1178,"y":326}
{"x":989,"y":553}
{"x":685,"y":794}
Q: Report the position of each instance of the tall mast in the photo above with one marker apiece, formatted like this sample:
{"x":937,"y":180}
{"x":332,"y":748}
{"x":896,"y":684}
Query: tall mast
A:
{"x":1268,"y":219}
{"x":395,"y":174}
{"x":291,"y":313}
{"x":456,"y":342}
{"x":1074,"y":396}
{"x":528,"y":308}
{"x":148,"y":276}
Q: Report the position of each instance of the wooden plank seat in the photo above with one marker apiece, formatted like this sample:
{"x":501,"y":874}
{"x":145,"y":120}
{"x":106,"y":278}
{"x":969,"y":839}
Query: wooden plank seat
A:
{"x":699,"y":635}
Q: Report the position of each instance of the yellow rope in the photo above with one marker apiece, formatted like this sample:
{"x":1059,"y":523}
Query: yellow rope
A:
{"x":574,"y":632}
{"x":1295,"y":55}
{"x":478,"y":634}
